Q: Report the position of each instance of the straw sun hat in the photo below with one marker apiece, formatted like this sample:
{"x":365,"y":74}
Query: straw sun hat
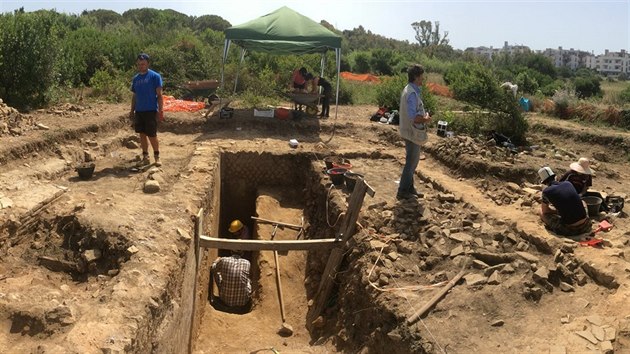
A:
{"x":582,"y":166}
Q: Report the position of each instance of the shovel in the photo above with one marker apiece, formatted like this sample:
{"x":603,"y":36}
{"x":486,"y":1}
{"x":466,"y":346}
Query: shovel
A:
{"x":286,"y":330}
{"x":604,"y":225}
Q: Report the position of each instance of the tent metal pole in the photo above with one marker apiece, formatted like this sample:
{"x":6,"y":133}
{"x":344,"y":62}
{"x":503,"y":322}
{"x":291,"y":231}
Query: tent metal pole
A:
{"x":338,"y":60}
{"x":238,"y":68}
{"x":226,"y":48}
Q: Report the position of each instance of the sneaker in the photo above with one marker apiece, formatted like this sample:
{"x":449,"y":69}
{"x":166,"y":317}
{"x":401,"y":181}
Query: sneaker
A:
{"x":401,"y":196}
{"x":144,"y":162}
{"x":157,"y":161}
{"x":416,"y":194}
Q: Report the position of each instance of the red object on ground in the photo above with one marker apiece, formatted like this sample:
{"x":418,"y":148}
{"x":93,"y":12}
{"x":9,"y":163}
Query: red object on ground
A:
{"x":596,"y":242}
{"x":171,"y":104}
{"x":282,"y":113}
{"x":359,"y":77}
{"x":604,"y":225}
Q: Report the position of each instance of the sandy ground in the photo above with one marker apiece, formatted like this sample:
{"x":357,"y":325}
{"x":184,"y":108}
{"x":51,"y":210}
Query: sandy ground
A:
{"x":547,"y":293}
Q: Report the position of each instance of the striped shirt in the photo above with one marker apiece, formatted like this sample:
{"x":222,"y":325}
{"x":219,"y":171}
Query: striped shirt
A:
{"x":232,"y":277}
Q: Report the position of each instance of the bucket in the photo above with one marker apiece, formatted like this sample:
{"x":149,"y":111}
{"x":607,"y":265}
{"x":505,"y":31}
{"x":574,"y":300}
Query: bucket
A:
{"x":336,"y":175}
{"x":329,"y":160}
{"x":351,"y":179}
{"x":85,"y":170}
{"x":592,"y":205}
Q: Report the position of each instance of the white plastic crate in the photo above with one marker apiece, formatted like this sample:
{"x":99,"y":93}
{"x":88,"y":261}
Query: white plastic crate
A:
{"x":266,"y":113}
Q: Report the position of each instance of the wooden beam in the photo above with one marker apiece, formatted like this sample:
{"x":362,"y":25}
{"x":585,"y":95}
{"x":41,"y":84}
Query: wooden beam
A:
{"x":268,"y":245}
{"x":435,"y":298}
{"x":346,"y":230}
{"x":198,"y":231}
{"x":281,"y":224}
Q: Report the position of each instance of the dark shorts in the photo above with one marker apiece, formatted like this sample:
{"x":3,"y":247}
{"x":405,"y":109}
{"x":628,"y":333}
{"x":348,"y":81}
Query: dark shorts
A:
{"x":554,"y":223}
{"x":146,"y":123}
{"x":299,"y":86}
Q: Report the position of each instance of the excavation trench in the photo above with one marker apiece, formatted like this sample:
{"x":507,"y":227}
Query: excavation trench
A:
{"x":281,"y":188}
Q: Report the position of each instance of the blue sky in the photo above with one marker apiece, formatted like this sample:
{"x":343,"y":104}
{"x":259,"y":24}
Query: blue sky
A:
{"x":587,"y":24}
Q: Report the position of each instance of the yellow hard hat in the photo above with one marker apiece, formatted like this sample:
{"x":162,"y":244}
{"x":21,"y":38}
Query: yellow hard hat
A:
{"x":235,"y":226}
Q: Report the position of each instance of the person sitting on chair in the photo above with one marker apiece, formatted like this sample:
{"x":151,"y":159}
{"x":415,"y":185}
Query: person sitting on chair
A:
{"x":568,"y":218}
{"x":232,"y":276}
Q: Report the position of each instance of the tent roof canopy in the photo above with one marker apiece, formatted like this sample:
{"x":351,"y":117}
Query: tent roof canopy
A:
{"x":283,"y":31}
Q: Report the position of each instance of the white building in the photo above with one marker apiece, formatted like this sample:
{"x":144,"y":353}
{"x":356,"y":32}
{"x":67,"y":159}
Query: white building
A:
{"x":571,"y":58}
{"x":490,"y":52}
{"x":612,"y":63}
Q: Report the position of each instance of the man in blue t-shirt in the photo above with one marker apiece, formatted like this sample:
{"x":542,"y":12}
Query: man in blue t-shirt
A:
{"x":147,"y":107}
{"x":569,"y":216}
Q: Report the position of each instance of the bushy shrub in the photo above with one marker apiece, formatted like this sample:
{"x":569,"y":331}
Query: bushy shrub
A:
{"x":624,"y":95}
{"x":110,"y":86}
{"x":527,"y":83}
{"x":475,"y":84}
{"x":345,"y":92}
{"x":28,"y":51}
{"x":587,"y":87}
{"x":563,"y":100}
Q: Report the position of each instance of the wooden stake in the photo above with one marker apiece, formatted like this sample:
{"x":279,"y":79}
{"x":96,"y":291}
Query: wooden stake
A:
{"x":436,"y":298}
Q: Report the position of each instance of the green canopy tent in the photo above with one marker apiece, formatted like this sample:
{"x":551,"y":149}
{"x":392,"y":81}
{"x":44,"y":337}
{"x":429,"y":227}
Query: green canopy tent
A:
{"x":283,"y":31}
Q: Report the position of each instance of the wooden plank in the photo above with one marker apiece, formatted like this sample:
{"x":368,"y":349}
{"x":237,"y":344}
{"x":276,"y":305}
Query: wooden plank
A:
{"x":198,"y":231}
{"x":435,"y":298}
{"x":346,"y":230}
{"x":268,"y":245}
{"x":289,"y":226}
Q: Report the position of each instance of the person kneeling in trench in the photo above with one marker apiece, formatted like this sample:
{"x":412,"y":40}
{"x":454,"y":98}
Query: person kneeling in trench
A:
{"x":232,"y":276}
{"x":569,"y":216}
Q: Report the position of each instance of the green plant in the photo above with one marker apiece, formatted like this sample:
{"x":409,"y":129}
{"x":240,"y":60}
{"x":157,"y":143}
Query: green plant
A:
{"x":109,"y":86}
{"x":563,"y":99}
{"x":28,"y":51}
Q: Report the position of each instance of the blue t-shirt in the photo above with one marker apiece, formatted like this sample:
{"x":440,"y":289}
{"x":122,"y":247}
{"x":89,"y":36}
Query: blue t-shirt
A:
{"x":566,"y":201}
{"x":144,"y":86}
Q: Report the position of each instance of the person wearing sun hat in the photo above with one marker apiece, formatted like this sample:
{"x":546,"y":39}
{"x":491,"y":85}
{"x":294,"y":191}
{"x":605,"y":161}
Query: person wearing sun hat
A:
{"x":580,"y":175}
{"x":568,"y":215}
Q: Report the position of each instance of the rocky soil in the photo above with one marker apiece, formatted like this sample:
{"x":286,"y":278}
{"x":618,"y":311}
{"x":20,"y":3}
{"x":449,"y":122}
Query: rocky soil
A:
{"x":93,"y":266}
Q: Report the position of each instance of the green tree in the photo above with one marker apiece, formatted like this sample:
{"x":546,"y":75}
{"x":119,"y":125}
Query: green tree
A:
{"x":213,"y":22}
{"x":361,"y":62}
{"x":102,"y":18}
{"x":526,"y":82}
{"x":28,"y":50}
{"x":587,"y":86}
{"x":427,"y":35}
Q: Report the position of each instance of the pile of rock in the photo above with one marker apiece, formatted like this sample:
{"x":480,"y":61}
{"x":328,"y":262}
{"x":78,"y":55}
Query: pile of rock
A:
{"x":12,"y":122}
{"x":474,"y":147}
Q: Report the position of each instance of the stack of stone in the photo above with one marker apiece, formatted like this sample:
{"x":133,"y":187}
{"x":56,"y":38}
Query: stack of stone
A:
{"x":12,"y":122}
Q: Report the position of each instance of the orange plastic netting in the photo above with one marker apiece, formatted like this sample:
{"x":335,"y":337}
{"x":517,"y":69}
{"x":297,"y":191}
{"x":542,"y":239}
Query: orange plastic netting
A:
{"x":359,"y":77}
{"x":171,"y":104}
{"x":439,"y":90}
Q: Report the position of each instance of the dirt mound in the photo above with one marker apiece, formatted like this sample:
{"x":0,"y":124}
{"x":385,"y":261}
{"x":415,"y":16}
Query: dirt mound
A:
{"x":13,"y":122}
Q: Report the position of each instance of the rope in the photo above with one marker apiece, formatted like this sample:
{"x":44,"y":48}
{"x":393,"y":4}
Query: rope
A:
{"x":388,"y":239}
{"x":327,"y":213}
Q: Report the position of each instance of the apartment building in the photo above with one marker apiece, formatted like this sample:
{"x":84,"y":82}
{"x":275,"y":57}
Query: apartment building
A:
{"x":611,"y":63}
{"x":570,"y":58}
{"x":490,"y":52}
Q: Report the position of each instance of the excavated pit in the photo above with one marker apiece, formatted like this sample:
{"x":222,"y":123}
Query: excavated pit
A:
{"x":282,"y":188}
{"x":64,"y":245}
